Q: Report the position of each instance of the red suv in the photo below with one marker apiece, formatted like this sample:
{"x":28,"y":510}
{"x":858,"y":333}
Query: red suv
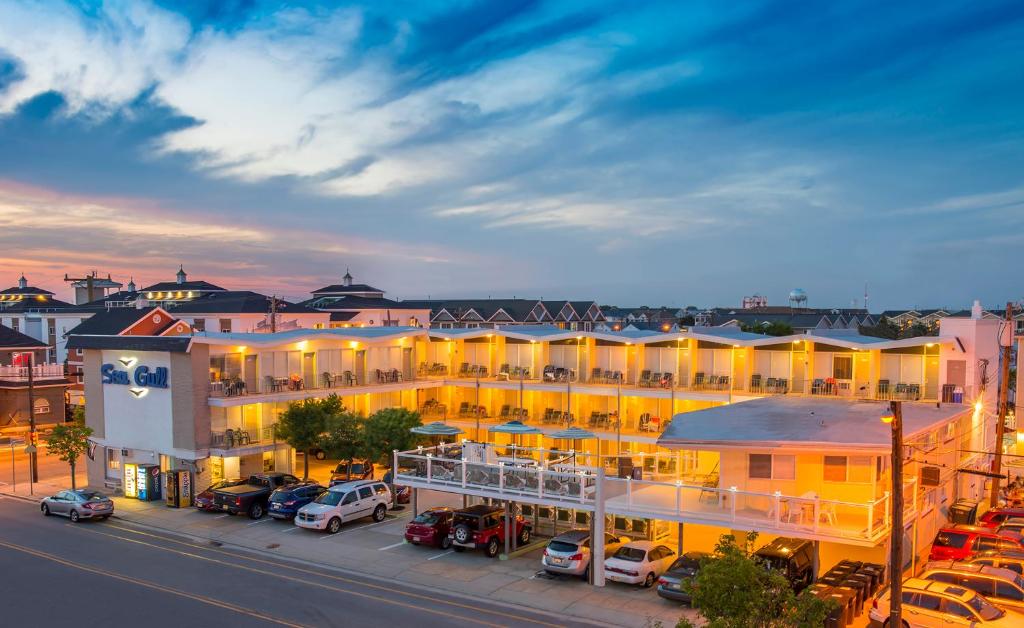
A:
{"x":994,"y":517}
{"x":483,"y":527}
{"x":960,"y":541}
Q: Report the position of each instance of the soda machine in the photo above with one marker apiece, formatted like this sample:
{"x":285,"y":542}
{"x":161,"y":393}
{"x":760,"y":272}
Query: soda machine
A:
{"x":178,"y":488}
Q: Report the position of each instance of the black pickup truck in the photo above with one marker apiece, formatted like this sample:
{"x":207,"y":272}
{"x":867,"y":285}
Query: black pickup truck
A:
{"x":251,"y":497}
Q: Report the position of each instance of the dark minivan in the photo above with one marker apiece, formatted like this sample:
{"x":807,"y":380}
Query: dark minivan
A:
{"x":794,"y":558}
{"x":286,"y":501}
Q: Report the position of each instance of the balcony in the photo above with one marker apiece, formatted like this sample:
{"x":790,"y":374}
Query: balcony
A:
{"x":238,"y":438}
{"x":329,"y":382}
{"x":39,"y":372}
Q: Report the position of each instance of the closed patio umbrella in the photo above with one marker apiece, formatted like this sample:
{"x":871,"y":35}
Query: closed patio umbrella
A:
{"x":514,"y":428}
{"x":574,"y":434}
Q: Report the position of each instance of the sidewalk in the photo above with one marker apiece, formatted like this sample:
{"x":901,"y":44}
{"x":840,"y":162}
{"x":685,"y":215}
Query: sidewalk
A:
{"x":378,"y":550}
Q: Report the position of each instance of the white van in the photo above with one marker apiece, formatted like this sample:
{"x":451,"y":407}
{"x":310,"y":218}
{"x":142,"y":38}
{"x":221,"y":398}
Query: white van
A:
{"x":345,"y":502}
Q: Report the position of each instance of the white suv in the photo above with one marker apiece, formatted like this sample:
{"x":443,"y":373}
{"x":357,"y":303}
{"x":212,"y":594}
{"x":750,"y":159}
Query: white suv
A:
{"x":345,"y":502}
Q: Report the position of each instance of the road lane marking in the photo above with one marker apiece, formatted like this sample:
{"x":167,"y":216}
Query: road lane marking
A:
{"x":381,"y":549}
{"x":150,"y":585}
{"x":318,"y":574}
{"x":441,"y":554}
{"x":313,"y":583}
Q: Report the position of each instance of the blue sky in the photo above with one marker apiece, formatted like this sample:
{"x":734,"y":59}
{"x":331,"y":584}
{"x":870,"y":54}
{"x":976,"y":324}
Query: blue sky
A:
{"x":660,"y":153}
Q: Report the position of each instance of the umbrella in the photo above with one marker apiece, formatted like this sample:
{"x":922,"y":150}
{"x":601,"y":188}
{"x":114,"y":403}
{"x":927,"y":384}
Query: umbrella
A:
{"x":514,"y":428}
{"x":436,"y":429}
{"x":574,"y":434}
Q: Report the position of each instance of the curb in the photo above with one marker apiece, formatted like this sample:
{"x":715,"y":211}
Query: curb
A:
{"x":31,"y":500}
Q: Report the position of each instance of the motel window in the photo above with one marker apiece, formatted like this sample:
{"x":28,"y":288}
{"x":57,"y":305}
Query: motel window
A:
{"x":842,"y":367}
{"x":199,"y":324}
{"x":42,"y":406}
{"x":53,"y":331}
{"x":225,"y":325}
{"x":847,"y":469}
{"x":14,"y":324}
{"x":445,"y":326}
{"x":771,"y":467}
{"x":113,"y":461}
{"x":225,"y":367}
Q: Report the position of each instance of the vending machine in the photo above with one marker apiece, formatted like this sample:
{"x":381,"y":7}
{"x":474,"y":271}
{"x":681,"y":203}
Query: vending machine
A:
{"x":178,"y":488}
{"x":131,"y":477}
{"x":148,"y":482}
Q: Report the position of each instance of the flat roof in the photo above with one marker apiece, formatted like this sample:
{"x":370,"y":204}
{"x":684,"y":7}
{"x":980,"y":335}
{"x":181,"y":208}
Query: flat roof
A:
{"x":801,"y":422}
{"x":297,"y":335}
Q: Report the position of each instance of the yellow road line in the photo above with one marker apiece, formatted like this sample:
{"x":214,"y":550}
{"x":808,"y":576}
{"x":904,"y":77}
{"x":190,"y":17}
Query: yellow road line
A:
{"x":331,"y":576}
{"x":321,"y":585}
{"x":150,"y":585}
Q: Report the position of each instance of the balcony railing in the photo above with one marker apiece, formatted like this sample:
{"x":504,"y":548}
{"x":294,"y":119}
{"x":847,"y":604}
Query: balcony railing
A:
{"x":39,"y":371}
{"x":234,"y":438}
{"x":266,"y":385}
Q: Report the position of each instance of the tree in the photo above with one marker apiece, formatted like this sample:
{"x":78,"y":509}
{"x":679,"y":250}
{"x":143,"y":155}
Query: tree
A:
{"x":773,"y":328}
{"x":388,"y":430}
{"x":303,"y":424}
{"x":344,"y":437}
{"x":69,"y":441}
{"x":733,"y":589}
{"x":884,"y":329}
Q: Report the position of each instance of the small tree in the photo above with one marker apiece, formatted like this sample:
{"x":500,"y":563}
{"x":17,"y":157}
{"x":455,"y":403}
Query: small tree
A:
{"x":303,"y":424}
{"x":733,"y":589}
{"x":69,"y":441}
{"x":343,"y":437}
{"x":388,"y":430}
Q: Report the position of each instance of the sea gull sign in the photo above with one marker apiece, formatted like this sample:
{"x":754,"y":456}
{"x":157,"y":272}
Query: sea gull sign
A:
{"x":141,"y":378}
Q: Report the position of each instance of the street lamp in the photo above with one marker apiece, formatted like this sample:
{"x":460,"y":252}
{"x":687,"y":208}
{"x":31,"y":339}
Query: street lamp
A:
{"x":894,"y":417}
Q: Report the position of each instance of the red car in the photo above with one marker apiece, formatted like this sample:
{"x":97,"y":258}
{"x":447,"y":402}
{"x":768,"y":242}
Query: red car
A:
{"x":961,"y":541}
{"x":994,"y":517}
{"x":204,"y":500}
{"x":430,"y":527}
{"x":483,"y":527}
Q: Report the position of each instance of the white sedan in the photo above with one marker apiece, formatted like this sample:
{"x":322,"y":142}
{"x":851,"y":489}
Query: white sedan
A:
{"x":639,"y":562}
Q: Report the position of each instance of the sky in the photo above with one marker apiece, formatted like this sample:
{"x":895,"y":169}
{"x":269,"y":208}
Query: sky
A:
{"x":631,"y":153}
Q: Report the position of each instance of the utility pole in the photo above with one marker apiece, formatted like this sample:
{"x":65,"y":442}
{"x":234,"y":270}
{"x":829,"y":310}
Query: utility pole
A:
{"x":1004,"y":389}
{"x":273,"y":314}
{"x":32,"y":461}
{"x":895,"y":419}
{"x":88,"y":279}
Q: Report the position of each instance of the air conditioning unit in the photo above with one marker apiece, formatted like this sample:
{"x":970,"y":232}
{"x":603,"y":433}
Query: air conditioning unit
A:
{"x":930,"y":476}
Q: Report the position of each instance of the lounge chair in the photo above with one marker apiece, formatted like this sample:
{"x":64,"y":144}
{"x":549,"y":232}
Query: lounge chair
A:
{"x":645,"y":379}
{"x":698,"y":381}
{"x":755,"y":383}
{"x":596,"y":375}
{"x":505,"y":411}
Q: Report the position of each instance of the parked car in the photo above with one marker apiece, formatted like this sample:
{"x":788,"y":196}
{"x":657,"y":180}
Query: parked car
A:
{"x":251,"y":497}
{"x":483,"y":527}
{"x":931,"y":604}
{"x":431,"y":527}
{"x":992,"y":518}
{"x":957,"y":542}
{"x":1012,"y":525}
{"x":285,"y":502}
{"x":672,"y":585}
{"x":356,"y":470}
{"x":78,"y":505}
{"x":1002,"y":587}
{"x":1012,"y":560}
{"x":794,"y":558}
{"x":570,"y":552}
{"x":345,"y":502}
{"x":638,"y":562}
{"x":204,"y":499}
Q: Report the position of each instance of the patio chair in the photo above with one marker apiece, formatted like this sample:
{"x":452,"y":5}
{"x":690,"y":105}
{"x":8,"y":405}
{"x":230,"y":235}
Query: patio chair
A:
{"x":709,"y":483}
{"x":645,"y":379}
{"x":783,"y":385}
{"x":549,"y":373}
{"x":464,"y":409}
{"x":396,"y":375}
{"x":771,"y":385}
{"x":818,"y":387}
{"x":348,"y":378}
{"x":645,"y":422}
{"x":481,"y":371}
{"x":596,"y":375}
{"x":755,"y":383}
{"x":464,"y":369}
{"x":655,"y":379}
{"x":556,"y":416}
{"x":617,"y":377}
{"x":723,"y":382}
{"x":327,"y":380}
{"x":901,"y":391}
{"x":547,"y":415}
{"x":667,"y":380}
{"x":883,"y":389}
{"x":713,"y":382}
{"x":595,"y":417}
{"x":270,"y":384}
{"x":914,"y":391}
{"x":505,"y":410}
{"x":698,"y":381}
{"x":561,"y":374}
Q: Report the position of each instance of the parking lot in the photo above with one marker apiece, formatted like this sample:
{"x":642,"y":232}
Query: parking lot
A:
{"x":379,"y":550}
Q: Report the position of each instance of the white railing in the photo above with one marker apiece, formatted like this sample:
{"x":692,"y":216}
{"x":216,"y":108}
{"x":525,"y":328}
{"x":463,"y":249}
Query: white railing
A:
{"x":39,"y":371}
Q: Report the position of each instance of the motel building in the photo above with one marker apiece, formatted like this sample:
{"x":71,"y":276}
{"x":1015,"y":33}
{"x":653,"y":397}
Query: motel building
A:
{"x":692,"y":434}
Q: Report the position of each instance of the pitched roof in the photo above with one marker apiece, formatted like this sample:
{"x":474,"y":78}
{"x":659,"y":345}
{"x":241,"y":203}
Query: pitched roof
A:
{"x":235,"y":302}
{"x":48,"y":305}
{"x":518,"y":309}
{"x":174,"y":344}
{"x":111,"y":322}
{"x":25,"y":290}
{"x":11,"y":339}
{"x":343,"y":317}
{"x":174,"y":286}
{"x":352,"y":302}
{"x":342,"y":288}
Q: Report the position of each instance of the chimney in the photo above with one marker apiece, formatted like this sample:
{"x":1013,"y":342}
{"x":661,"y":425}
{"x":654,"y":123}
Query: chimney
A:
{"x":976,"y":310}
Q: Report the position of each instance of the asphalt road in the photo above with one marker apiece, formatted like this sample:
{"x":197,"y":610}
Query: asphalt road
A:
{"x":105,"y":573}
{"x":49,"y":466}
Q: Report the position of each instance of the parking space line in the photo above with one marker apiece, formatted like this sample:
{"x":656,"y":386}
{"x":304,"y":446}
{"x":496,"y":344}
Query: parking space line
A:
{"x":291,"y":529}
{"x":255,"y":523}
{"x":227,"y":514}
{"x":442,"y":554}
{"x":381,"y":549}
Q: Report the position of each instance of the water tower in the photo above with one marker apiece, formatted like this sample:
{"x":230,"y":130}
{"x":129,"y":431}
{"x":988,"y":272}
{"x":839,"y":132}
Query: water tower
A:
{"x":797,"y":298}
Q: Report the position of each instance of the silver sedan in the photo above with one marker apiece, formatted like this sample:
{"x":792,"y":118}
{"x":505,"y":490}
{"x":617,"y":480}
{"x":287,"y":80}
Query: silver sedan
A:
{"x":78,"y":505}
